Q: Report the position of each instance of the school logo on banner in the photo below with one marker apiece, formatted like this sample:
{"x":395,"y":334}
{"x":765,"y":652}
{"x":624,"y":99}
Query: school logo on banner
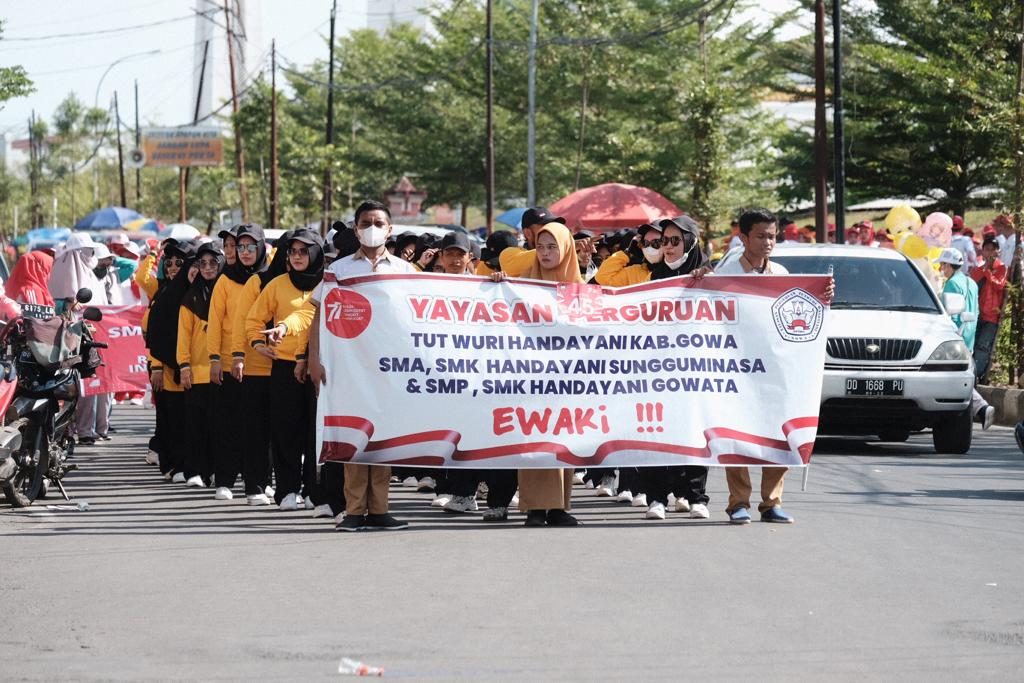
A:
{"x":798,"y":316}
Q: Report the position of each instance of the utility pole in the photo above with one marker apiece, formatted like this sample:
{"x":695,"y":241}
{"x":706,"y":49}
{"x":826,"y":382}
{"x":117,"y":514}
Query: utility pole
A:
{"x":820,"y":132}
{"x":120,"y":152}
{"x":243,"y":193}
{"x":490,"y":116}
{"x":273,"y":136}
{"x":531,"y":121}
{"x":328,"y":191}
{"x":839,"y":154}
{"x":1016,"y":371}
{"x":33,"y":164}
{"x":138,"y":145}
{"x":183,"y":173}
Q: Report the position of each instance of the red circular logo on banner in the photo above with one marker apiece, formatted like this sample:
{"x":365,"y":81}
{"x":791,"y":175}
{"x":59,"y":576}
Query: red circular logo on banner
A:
{"x":347,"y":313}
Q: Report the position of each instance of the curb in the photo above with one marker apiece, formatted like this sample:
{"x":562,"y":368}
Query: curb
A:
{"x":1009,"y":403}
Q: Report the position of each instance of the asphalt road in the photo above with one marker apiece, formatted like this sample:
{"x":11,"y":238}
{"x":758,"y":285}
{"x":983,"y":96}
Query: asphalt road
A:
{"x":902,"y":565}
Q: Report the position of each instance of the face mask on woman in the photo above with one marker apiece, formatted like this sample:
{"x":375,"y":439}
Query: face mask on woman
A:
{"x":652,"y":254}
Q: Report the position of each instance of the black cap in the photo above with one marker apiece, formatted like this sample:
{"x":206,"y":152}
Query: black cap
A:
{"x":404,"y":240}
{"x":647,"y":227}
{"x":253,"y":230}
{"x":228,"y":232}
{"x":458,"y":240}
{"x":210,"y":248}
{"x":540,"y":215}
{"x":684,"y":223}
{"x":582,"y":235}
{"x":307,"y":236}
{"x":501,"y":239}
{"x":477,"y":251}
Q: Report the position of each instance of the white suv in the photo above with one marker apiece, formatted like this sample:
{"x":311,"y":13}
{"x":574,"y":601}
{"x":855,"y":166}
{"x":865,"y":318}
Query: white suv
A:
{"x":894,"y":361}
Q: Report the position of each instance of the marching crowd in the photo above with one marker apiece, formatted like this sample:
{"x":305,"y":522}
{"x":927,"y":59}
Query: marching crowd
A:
{"x":236,"y":372}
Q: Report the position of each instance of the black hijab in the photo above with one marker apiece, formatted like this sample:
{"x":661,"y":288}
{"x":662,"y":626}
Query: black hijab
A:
{"x":162,"y":332}
{"x":197,"y":297}
{"x":309,"y":278}
{"x":278,"y":264}
{"x":695,"y":258}
{"x":237,"y":271}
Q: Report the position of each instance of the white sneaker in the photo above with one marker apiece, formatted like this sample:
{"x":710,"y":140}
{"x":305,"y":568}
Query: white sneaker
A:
{"x":481,"y":491}
{"x":167,"y":476}
{"x":322,"y":511}
{"x":309,"y":504}
{"x":178,"y":478}
{"x":135,"y":401}
{"x":269,"y":491}
{"x":655,"y":511}
{"x":426,"y":484}
{"x":299,"y":502}
{"x":152,"y":458}
{"x":514,"y":503}
{"x":195,"y":482}
{"x":440,"y":500}
{"x":410,"y":482}
{"x":625,"y":496}
{"x":577,"y":478}
{"x":640,"y":500}
{"x":606,"y":489}
{"x":699,"y":511}
{"x":588,"y":484}
{"x":681,"y":505}
{"x":988,"y":418}
{"x":258,"y":499}
{"x":223,"y":493}
{"x":462,"y":504}
{"x":289,"y":503}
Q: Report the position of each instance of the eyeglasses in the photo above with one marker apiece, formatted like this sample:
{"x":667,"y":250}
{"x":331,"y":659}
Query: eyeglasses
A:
{"x":179,"y":262}
{"x":673,"y":241}
{"x":656,"y":243}
{"x":247,"y":248}
{"x":298,"y":251}
{"x":207,"y":263}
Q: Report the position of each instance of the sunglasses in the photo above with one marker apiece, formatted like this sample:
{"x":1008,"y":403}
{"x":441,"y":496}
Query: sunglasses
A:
{"x":660,"y":242}
{"x":247,"y":248}
{"x":207,"y":263}
{"x":298,"y":251}
{"x":174,"y":261}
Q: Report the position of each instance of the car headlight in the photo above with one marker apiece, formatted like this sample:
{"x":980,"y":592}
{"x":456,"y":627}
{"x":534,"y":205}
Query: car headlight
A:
{"x":953,"y":350}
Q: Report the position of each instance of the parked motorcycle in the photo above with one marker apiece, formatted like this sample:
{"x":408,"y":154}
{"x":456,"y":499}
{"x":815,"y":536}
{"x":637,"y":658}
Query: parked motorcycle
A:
{"x":42,"y":358}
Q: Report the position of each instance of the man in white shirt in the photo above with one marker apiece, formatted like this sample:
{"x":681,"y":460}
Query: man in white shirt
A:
{"x":366,"y":486}
{"x":964,"y":244}
{"x":1007,"y":239}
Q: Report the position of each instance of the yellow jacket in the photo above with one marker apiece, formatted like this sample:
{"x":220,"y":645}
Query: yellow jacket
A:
{"x":281,"y":302}
{"x":256,"y":364}
{"x":483,"y":269}
{"x":514,"y":261}
{"x":192,"y":351}
{"x":145,"y":276}
{"x":223,"y":302}
{"x":616,"y":271}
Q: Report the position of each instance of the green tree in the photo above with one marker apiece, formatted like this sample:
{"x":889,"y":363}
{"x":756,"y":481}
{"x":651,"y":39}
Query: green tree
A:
{"x":14,"y":82}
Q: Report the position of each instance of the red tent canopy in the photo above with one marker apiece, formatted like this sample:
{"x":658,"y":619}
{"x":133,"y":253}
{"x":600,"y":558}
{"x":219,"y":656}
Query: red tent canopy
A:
{"x":613,"y":205}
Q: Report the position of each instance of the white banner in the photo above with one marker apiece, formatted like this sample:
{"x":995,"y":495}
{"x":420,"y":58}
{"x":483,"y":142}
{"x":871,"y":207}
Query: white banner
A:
{"x":457,"y":371}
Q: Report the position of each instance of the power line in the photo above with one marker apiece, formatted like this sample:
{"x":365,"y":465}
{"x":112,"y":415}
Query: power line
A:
{"x":107,"y":31}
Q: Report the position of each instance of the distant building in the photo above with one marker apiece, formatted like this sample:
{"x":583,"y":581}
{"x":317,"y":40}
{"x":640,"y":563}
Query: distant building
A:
{"x":383,"y":14}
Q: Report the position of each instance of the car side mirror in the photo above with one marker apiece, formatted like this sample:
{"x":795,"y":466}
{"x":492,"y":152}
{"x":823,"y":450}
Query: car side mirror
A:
{"x":953,"y":303}
{"x":84,"y":295}
{"x":92,"y":314}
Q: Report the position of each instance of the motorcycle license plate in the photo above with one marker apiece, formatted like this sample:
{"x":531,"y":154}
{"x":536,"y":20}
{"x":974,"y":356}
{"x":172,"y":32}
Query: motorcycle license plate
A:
{"x":38,"y":311}
{"x":874,"y":387}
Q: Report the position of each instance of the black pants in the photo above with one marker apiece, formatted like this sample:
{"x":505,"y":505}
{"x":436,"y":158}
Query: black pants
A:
{"x":685,"y":481}
{"x":230,"y":423}
{"x":288,"y":430}
{"x":198,"y":433}
{"x":501,"y":484}
{"x":629,"y":480}
{"x":596,"y":474}
{"x":172,"y":428}
{"x":255,"y":433}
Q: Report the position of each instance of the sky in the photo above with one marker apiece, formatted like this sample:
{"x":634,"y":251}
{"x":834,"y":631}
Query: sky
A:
{"x":59,"y":64}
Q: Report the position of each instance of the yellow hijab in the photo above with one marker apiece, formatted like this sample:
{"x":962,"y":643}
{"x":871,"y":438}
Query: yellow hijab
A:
{"x":568,"y":268}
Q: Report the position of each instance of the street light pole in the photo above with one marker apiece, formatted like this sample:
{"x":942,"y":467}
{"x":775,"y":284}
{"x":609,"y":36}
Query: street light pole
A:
{"x":120,"y":153}
{"x":531,"y":121}
{"x":837,"y":120}
{"x":490,"y":116}
{"x":820,"y":134}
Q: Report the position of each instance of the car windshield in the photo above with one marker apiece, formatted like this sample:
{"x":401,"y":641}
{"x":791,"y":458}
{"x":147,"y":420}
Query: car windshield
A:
{"x":869,"y":283}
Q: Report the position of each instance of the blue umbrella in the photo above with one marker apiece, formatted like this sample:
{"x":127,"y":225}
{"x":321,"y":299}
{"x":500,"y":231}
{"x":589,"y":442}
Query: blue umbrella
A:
{"x":513,"y":217}
{"x":109,"y":217}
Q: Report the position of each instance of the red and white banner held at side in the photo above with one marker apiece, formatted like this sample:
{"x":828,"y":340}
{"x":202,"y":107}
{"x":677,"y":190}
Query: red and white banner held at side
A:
{"x":124,"y":362}
{"x":457,"y":371}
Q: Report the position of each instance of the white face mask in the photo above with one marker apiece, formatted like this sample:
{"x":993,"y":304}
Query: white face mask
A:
{"x":372,"y":237}
{"x":674,"y":265}
{"x":652,"y":255}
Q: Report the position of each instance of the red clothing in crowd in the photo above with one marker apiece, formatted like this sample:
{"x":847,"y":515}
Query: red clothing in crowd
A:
{"x":991,"y":290}
{"x":28,"y":282}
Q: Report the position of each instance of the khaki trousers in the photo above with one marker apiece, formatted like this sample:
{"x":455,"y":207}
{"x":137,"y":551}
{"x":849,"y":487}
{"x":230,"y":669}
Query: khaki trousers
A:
{"x":545,"y":489}
{"x":738,"y":479}
{"x":366,"y":489}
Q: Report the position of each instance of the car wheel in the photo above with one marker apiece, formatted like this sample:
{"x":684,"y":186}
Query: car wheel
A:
{"x":953,"y":435}
{"x":895,"y":435}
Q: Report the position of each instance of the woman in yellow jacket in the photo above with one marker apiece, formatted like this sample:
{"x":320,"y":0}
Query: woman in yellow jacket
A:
{"x":285,"y":306}
{"x":228,"y":403}
{"x":194,"y":366}
{"x":252,"y":369}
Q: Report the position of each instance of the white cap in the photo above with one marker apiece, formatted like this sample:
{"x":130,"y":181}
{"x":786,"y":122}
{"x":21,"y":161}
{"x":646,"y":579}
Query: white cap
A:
{"x":132,"y":248}
{"x":80,"y":240}
{"x":101,"y":251}
{"x":951,"y":256}
{"x":118,"y":238}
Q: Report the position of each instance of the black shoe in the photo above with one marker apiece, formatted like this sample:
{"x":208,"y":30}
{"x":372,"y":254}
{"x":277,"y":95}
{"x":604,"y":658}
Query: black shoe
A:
{"x":536,"y":518}
{"x":351,"y":523}
{"x":561,"y":518}
{"x":86,"y":440}
{"x":385,"y":522}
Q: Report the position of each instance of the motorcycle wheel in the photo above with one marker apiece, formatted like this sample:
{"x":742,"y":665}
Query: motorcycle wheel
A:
{"x":27,"y":484}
